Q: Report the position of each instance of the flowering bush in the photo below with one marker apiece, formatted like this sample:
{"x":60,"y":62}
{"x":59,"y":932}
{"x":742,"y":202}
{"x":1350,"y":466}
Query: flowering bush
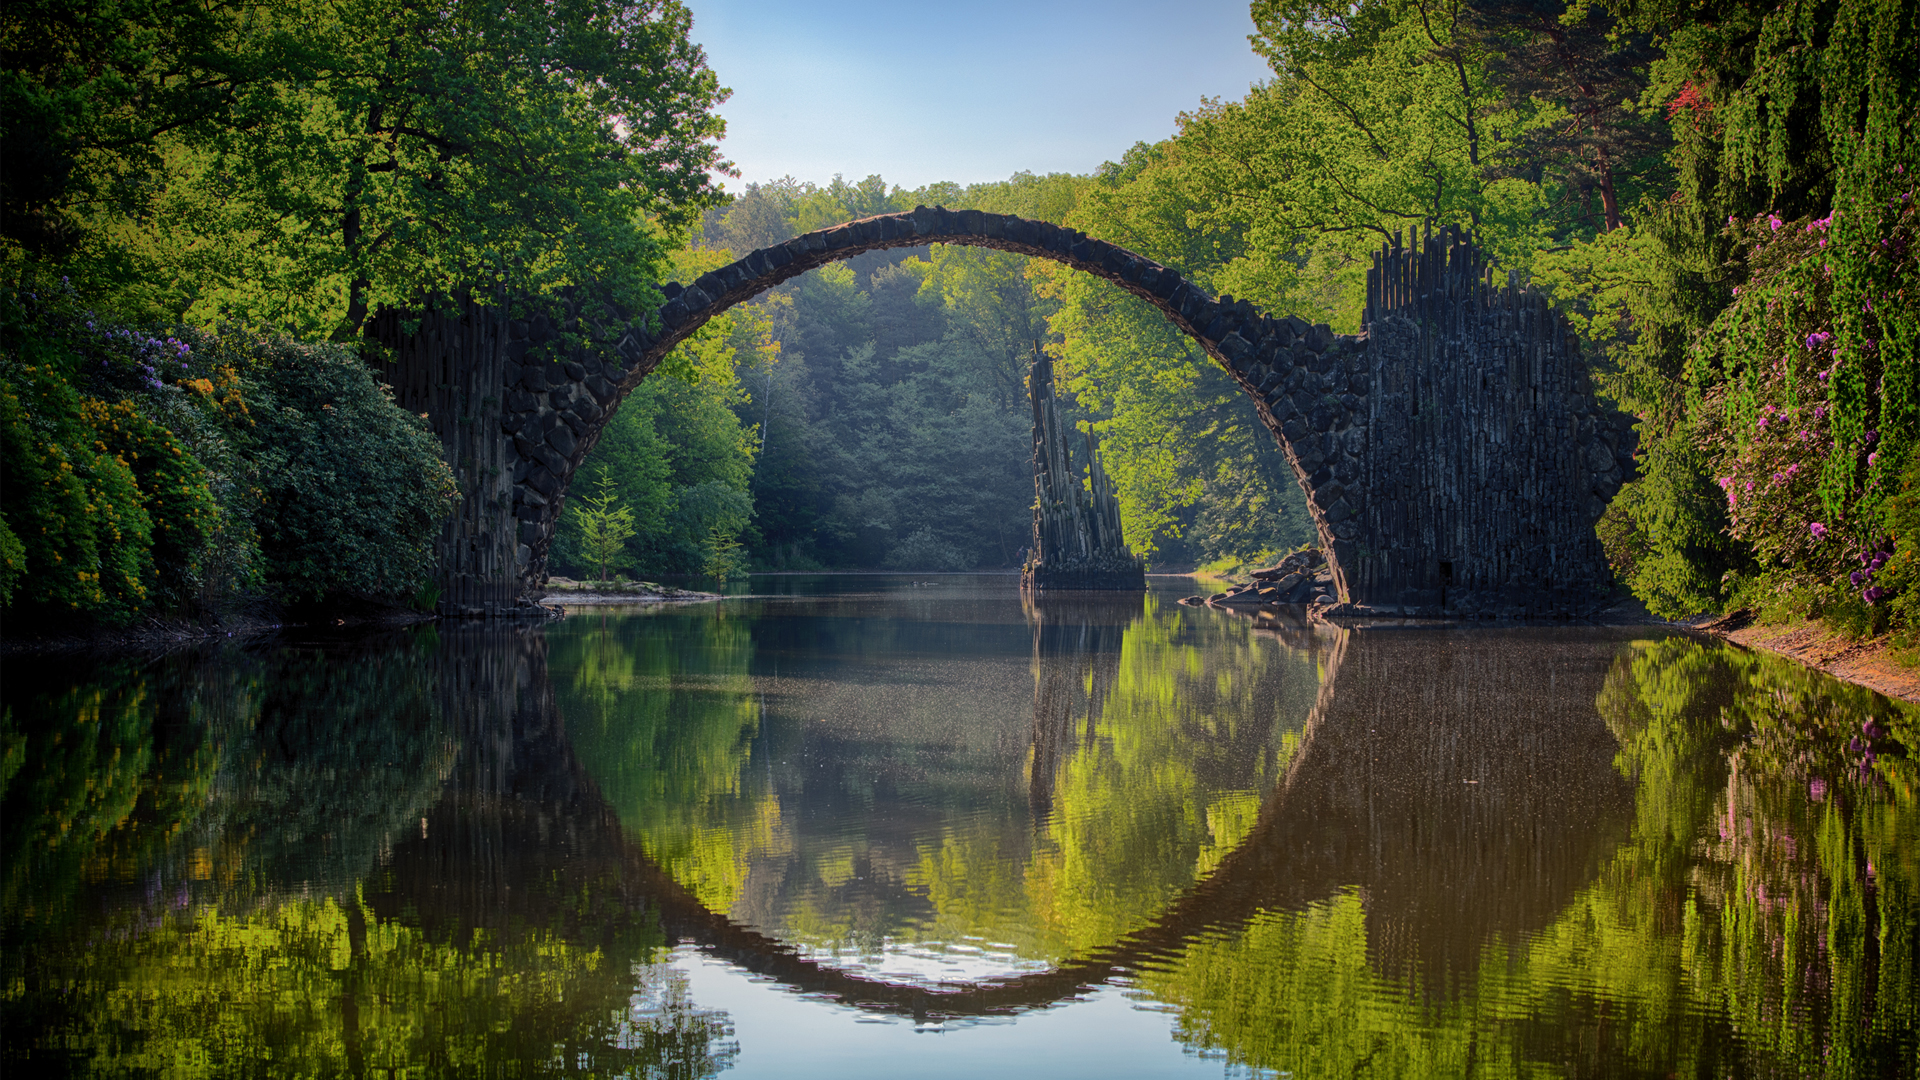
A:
{"x":74,"y":535}
{"x":1809,"y":415}
{"x":188,"y":471}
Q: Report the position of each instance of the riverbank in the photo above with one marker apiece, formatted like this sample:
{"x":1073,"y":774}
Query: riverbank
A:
{"x":1869,"y":663}
{"x":565,"y":591}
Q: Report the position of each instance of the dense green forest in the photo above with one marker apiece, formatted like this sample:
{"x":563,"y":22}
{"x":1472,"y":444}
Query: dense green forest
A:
{"x":1719,"y":194}
{"x":201,"y":205}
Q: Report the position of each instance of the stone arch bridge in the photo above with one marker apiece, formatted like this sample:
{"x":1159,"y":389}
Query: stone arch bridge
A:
{"x":1453,"y":454}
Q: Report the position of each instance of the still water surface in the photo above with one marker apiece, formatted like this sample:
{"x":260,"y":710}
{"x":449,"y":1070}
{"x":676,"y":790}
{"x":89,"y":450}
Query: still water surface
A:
{"x":867,"y":826}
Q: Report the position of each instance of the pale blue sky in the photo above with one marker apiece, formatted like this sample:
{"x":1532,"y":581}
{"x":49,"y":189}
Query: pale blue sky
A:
{"x":965,"y":92}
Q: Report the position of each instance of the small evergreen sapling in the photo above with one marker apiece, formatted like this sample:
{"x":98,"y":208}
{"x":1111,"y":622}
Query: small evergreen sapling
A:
{"x":606,"y":524}
{"x":724,"y":556}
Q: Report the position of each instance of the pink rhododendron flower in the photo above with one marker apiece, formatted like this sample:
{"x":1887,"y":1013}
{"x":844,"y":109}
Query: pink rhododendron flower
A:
{"x":1818,"y":530}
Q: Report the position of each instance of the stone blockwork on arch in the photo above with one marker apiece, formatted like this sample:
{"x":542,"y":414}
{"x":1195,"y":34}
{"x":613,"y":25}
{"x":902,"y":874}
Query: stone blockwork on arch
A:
{"x":1453,"y":457}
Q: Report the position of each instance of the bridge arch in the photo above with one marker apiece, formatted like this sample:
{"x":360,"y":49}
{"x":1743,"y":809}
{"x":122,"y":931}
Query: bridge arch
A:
{"x":1453,"y":456}
{"x":1245,"y":342}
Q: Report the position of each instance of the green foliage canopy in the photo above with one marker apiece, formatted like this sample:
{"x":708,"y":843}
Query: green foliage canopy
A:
{"x":303,"y":168}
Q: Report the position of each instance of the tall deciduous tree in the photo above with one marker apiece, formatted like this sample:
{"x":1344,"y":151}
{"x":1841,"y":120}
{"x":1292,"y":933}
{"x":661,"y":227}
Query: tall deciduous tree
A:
{"x":487,"y":143}
{"x":90,"y":89}
{"x":309,"y":165}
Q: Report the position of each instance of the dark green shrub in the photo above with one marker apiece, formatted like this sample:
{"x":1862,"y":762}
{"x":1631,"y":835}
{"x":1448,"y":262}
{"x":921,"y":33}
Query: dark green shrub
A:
{"x":352,"y":487}
{"x":196,"y":472}
{"x":173,"y":491}
{"x":1901,"y":574}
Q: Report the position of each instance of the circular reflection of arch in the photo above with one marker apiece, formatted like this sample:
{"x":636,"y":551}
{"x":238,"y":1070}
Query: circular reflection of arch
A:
{"x":1461,"y":779}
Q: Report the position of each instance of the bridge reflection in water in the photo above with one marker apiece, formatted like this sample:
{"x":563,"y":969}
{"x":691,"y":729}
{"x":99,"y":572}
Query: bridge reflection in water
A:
{"x":1396,"y":849}
{"x":1178,"y":782}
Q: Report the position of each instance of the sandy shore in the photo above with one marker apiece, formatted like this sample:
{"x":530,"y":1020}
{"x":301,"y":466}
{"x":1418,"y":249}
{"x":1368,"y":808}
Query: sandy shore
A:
{"x":1868,"y":663}
{"x":565,"y":592}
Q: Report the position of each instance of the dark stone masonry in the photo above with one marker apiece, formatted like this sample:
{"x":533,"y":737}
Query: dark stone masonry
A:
{"x":1077,"y":539}
{"x":1453,"y":454}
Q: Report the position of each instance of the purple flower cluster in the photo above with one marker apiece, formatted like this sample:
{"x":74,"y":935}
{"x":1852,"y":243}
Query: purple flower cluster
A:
{"x":1871,"y":560}
{"x":140,"y":361}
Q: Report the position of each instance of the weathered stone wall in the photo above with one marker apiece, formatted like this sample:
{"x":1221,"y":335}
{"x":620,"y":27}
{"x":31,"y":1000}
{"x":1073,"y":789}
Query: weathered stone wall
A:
{"x":1487,"y":457}
{"x":1453,"y":455}
{"x":451,"y":369}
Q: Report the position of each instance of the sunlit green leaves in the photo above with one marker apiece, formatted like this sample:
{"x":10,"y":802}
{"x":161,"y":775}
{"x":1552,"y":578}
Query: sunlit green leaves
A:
{"x":362,"y":155}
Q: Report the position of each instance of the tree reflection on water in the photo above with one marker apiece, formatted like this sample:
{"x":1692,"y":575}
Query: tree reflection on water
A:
{"x":1387,"y":851}
{"x":1758,"y":917}
{"x":282,"y":862}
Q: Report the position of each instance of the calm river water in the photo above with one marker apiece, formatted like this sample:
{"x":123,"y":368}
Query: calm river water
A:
{"x":871,"y":826}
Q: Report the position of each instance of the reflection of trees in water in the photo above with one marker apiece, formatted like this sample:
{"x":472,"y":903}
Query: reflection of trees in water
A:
{"x":1154,"y":739}
{"x":1803,"y":892}
{"x":662,"y":711}
{"x":878,"y":804}
{"x":254,"y":951}
{"x":82,"y":758}
{"x":1731,"y":928}
{"x":327,"y":755}
{"x":215,"y":773}
{"x":1647,"y":885}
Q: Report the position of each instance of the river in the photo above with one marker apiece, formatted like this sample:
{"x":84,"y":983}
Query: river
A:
{"x":886,"y":826}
